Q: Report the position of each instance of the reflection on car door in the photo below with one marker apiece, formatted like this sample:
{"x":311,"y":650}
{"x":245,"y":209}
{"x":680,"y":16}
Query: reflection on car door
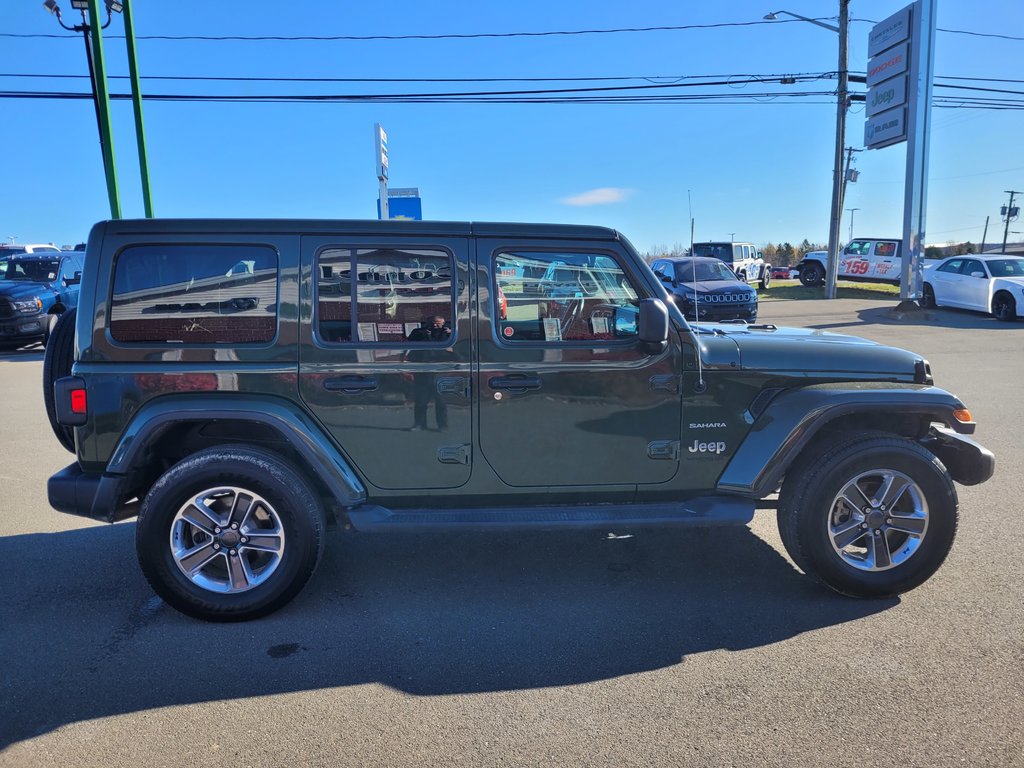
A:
{"x":975,"y":289}
{"x":946,"y":282}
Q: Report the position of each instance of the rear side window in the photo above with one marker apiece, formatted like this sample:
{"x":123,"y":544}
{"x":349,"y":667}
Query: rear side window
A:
{"x":195,"y":294}
{"x":384,"y":295}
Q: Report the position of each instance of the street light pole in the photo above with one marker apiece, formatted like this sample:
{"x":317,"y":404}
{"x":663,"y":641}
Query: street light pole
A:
{"x":851,"y":211}
{"x":837,"y":166}
{"x":837,"y":170}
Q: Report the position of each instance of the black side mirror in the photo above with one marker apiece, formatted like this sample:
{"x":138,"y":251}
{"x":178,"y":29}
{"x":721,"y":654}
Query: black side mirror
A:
{"x":653,"y":322}
{"x":69,"y":281}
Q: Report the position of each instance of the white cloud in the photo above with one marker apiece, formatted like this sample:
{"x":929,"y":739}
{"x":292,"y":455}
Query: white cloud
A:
{"x":599,"y":196}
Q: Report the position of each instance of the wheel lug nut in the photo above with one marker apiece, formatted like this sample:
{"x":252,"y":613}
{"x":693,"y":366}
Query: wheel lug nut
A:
{"x":234,"y":553}
{"x":863,"y":525}
{"x":245,"y":540}
{"x":216,"y":530}
{"x":234,"y":526}
{"x":216,"y":545}
{"x":882,"y":507}
{"x":888,"y":521}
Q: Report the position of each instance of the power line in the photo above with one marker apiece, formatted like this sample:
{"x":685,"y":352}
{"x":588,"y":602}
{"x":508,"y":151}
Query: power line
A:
{"x":446,"y":36}
{"x":478,"y":35}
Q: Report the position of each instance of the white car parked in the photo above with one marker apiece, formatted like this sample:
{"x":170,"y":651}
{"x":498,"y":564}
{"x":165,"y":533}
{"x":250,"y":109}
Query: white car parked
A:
{"x":990,"y":283}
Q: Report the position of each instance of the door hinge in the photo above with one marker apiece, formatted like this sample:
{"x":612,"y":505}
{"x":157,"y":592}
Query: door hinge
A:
{"x":663,"y":449}
{"x":453,"y":385}
{"x":454,"y":454}
{"x":666,"y":382}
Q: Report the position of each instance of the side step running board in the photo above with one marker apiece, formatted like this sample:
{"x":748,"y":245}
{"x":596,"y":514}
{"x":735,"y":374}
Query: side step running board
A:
{"x":703,"y":511}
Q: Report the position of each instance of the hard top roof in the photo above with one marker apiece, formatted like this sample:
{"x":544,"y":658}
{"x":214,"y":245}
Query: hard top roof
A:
{"x":357,"y":226}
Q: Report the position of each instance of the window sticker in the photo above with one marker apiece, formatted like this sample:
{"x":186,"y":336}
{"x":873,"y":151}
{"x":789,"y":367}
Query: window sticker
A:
{"x":509,"y":331}
{"x":367,"y":331}
{"x":385,"y":329}
{"x":552,"y":329}
{"x":409,"y":328}
{"x":600,"y":325}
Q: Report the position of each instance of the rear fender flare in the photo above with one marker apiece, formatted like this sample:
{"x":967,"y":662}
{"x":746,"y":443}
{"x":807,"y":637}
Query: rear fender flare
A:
{"x":305,"y":436}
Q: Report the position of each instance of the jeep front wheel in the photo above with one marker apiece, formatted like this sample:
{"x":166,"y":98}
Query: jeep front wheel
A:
{"x":812,"y":274}
{"x":874,"y":517}
{"x":230,"y":533}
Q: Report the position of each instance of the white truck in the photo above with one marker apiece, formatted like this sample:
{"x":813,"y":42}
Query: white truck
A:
{"x":869,"y":260}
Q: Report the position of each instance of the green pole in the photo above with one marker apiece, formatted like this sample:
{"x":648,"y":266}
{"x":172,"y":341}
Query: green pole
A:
{"x":103,"y":99}
{"x":140,"y":131}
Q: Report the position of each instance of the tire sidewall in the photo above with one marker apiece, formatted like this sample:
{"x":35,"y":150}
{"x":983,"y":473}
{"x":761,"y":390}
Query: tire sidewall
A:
{"x":939,"y":493}
{"x":292,"y":500}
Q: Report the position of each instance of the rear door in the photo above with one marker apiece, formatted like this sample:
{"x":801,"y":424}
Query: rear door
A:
{"x":385,"y":357}
{"x":884,"y":262}
{"x":567,"y":395}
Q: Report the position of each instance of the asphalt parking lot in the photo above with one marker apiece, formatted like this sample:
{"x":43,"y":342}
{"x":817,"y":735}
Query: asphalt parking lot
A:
{"x":669,"y":648}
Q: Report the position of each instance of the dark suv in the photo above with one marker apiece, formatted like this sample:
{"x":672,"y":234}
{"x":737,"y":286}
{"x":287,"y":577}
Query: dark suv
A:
{"x":35,"y":288}
{"x":706,"y":289}
{"x":238,"y":384}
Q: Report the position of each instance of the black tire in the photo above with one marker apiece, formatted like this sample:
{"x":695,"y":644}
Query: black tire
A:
{"x":288,"y":502}
{"x":51,"y":323}
{"x":766,"y":278}
{"x":57,"y":362}
{"x":1004,"y":308}
{"x":812,"y":274}
{"x":928,"y":297}
{"x":810,"y":495}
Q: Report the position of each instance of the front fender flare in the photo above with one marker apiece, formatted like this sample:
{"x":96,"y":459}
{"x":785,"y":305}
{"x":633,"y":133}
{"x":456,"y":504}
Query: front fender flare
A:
{"x":794,"y":417}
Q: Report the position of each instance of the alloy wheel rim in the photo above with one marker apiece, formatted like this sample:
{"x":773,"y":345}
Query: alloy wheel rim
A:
{"x":227,"y":540}
{"x":878,"y":520}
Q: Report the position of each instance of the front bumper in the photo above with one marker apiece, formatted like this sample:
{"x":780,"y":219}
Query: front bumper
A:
{"x":968,"y":462}
{"x":22,"y":327}
{"x":713,"y":312}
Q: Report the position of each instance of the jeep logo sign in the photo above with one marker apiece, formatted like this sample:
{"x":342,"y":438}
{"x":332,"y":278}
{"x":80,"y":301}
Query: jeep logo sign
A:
{"x":699,"y":447}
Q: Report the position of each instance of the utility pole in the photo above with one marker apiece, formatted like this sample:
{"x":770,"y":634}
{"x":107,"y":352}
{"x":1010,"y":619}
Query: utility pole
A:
{"x":837,"y":168}
{"x":140,"y":133}
{"x":1009,"y":215}
{"x":984,"y":235}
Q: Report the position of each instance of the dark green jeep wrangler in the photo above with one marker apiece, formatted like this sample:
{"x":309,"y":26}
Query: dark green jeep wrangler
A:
{"x":236,"y":384}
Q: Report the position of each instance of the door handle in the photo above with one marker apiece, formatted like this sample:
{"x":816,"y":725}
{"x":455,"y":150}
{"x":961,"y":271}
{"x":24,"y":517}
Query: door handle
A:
{"x":350,"y":385}
{"x":514,"y":383}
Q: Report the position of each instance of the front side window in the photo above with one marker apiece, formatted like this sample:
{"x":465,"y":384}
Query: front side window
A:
{"x":952,"y":266}
{"x":195,"y":294}
{"x":399,"y":296}
{"x":972,"y":266}
{"x":557,"y":297}
{"x":862,"y":248}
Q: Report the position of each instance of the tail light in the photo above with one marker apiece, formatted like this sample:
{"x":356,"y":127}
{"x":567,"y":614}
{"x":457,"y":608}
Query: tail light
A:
{"x":71,"y":401}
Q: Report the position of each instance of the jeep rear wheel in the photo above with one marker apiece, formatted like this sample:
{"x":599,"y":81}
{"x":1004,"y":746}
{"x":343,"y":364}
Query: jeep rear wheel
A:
{"x":812,"y":274}
{"x":229,"y":534}
{"x":874,"y":517}
{"x":57,"y":360}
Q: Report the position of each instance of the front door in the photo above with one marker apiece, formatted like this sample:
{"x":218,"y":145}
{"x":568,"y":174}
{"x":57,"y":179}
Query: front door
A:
{"x":385,"y":359}
{"x":568,"y":396}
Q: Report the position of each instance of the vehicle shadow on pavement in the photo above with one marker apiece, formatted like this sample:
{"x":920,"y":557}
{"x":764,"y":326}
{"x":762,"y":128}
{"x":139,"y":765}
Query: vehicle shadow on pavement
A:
{"x":33,"y":354}
{"x":84,"y":637}
{"x":942,"y":317}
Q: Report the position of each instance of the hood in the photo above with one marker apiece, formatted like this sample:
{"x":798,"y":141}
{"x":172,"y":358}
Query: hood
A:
{"x":17,"y":290}
{"x":799,"y":351}
{"x":711,"y":286}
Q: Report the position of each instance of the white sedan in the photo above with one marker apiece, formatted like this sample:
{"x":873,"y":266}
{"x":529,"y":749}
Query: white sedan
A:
{"x":990,"y":283}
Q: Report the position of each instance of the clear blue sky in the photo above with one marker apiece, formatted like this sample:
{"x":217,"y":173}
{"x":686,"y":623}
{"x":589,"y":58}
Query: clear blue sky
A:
{"x":761,"y":170}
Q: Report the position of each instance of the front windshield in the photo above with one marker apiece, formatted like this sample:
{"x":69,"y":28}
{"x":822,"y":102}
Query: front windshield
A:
{"x":31,"y":270}
{"x":706,"y":271}
{"x":1007,"y":267}
{"x":721,"y":251}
